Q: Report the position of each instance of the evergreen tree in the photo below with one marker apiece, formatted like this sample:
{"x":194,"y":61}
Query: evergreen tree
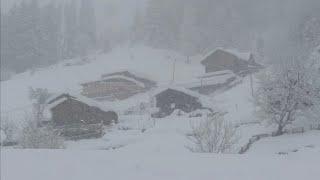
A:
{"x":50,"y":32}
{"x":70,"y":27}
{"x":5,"y":50}
{"x":22,"y":42}
{"x":87,"y":27}
{"x":137,"y":28}
{"x":162,"y":23}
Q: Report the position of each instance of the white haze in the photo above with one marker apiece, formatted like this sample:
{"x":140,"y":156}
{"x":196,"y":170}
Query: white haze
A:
{"x":276,"y":22}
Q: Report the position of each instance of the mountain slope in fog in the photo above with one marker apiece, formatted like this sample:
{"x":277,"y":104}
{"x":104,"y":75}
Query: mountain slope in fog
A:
{"x":67,"y":76}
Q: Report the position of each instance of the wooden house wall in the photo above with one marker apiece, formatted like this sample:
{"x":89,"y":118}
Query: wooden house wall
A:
{"x":74,"y":112}
{"x":180,"y":100}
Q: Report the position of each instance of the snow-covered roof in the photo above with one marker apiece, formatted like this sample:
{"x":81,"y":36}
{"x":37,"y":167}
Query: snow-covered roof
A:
{"x":241,"y":55}
{"x":139,"y":83}
{"x":128,"y":75}
{"x":56,"y":102}
{"x":209,"y":80}
{"x":215,"y":73}
{"x":58,"y":99}
{"x":132,"y":74}
{"x":204,"y":100}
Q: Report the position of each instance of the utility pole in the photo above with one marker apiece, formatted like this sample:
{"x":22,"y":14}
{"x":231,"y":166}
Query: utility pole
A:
{"x":174,"y":70}
{"x":251,"y":85}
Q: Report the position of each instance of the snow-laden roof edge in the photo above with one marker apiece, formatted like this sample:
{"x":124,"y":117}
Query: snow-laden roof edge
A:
{"x":215,"y":74}
{"x":204,"y":100}
{"x":53,"y":102}
{"x":241,"y":55}
{"x":125,"y":78}
{"x":209,"y":81}
{"x":138,"y":78}
{"x":131,"y":71}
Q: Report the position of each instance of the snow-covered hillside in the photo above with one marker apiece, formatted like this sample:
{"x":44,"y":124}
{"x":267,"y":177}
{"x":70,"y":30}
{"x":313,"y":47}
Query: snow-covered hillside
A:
{"x":68,"y":75}
{"x":142,"y":147}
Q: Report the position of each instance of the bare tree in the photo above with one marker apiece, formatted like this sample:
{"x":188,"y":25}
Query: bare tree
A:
{"x":39,"y":97}
{"x":284,"y":92}
{"x":213,"y":135}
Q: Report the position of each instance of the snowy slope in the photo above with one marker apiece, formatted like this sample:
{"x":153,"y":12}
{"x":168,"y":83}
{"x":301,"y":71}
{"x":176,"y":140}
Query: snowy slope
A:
{"x":67,"y":76}
{"x":238,"y":102}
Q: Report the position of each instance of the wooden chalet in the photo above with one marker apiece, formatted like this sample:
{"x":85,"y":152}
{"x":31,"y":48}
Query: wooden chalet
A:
{"x":224,"y":59}
{"x":116,"y":86}
{"x":68,"y":110}
{"x":170,"y":99}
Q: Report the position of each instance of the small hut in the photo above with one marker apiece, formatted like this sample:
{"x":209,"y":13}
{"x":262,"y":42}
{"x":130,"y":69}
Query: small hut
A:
{"x":225,"y":59}
{"x":79,"y":117}
{"x":68,"y":110}
{"x":170,"y":99}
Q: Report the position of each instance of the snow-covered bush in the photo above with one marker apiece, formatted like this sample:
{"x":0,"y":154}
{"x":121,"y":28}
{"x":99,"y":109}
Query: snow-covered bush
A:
{"x":9,"y":129}
{"x":286,"y":92}
{"x":213,"y":135}
{"x":35,"y":137}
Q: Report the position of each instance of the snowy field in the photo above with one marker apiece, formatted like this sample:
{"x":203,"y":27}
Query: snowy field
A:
{"x":159,"y":152}
{"x":141,"y":148}
{"x":144,"y":164}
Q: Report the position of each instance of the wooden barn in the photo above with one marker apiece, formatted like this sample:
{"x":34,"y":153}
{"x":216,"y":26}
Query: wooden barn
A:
{"x":224,"y":59}
{"x":170,"y":99}
{"x":116,"y":86}
{"x":67,"y":110}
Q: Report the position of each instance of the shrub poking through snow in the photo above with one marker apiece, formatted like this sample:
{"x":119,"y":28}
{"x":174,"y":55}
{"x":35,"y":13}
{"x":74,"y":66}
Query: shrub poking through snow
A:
{"x":35,"y":137}
{"x":213,"y":135}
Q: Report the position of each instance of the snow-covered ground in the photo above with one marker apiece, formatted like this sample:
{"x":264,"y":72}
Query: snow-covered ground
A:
{"x":140,"y":147}
{"x":143,"y":164}
{"x":143,"y":148}
{"x":296,"y":144}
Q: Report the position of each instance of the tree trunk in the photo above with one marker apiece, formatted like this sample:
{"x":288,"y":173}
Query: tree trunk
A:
{"x":279,"y":132}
